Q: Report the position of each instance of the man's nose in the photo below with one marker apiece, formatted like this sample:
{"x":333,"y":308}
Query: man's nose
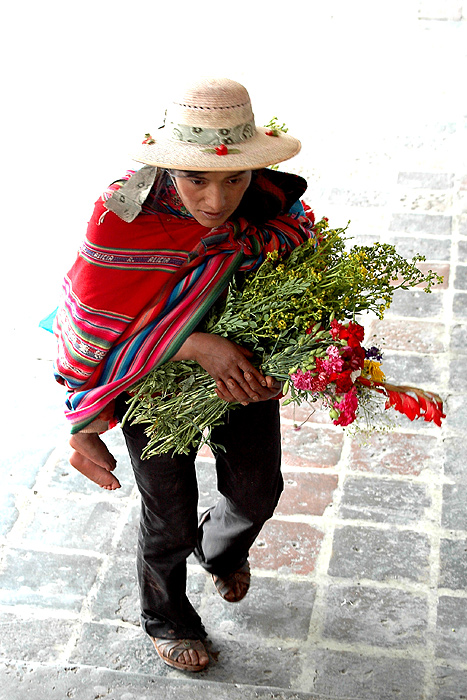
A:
{"x":215,"y":198}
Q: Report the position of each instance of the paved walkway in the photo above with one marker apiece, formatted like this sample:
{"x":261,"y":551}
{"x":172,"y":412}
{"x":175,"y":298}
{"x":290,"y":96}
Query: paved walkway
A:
{"x":359,"y":580}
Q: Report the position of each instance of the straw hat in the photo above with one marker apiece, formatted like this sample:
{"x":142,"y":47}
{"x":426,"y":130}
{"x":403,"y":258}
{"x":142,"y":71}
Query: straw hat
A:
{"x":211,"y":126}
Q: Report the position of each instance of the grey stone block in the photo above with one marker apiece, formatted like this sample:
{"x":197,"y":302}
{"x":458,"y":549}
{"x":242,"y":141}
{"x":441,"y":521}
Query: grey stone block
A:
{"x":257,"y":664}
{"x":415,"y":370}
{"x":383,"y":500}
{"x":453,"y":564}
{"x":432,"y":248}
{"x":456,"y":412}
{"x":455,"y":466}
{"x":462,"y":249}
{"x":46,"y":580}
{"x":119,"y":648}
{"x":76,"y":524}
{"x":451,"y":683}
{"x":8,"y":512}
{"x":343,"y":675}
{"x":451,"y":628}
{"x":207,"y":484}
{"x":381,"y":617}
{"x":56,"y":682}
{"x":117,"y":597}
{"x":272,"y":608}
{"x":429,"y":181}
{"x":357,"y":199}
{"x":35,"y":640}
{"x":459,"y":339}
{"x":459,"y":305}
{"x":381,"y":555}
{"x":460,"y":280}
{"x":20,"y":463}
{"x":416,"y":303}
{"x":435,"y":224}
{"x":454,"y":515}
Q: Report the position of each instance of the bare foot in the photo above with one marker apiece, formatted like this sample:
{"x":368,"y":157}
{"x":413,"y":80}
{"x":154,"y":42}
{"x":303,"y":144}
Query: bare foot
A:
{"x":92,"y":458}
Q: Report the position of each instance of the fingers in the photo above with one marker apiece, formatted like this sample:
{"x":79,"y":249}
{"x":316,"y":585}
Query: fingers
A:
{"x":241,"y":392}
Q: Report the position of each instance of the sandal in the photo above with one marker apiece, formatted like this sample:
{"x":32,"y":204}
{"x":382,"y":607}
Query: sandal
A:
{"x":226,"y":586}
{"x":171,"y":649}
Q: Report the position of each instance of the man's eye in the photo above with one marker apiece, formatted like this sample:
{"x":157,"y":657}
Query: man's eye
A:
{"x":197,"y":182}
{"x":234,"y":181}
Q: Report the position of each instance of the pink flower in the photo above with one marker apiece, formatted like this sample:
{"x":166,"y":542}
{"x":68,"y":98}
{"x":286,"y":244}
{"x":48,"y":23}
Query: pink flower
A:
{"x":346,"y":408}
{"x":306,"y":381}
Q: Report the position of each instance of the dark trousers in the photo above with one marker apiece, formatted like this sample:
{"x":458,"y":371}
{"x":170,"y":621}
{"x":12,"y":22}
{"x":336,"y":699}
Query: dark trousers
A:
{"x":250,"y":482}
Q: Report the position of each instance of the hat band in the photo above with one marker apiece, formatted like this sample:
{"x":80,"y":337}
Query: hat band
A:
{"x":211,"y":137}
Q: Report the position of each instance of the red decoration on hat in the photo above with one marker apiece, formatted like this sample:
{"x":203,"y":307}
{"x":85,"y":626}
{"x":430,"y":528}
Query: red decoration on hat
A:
{"x":222,"y":150}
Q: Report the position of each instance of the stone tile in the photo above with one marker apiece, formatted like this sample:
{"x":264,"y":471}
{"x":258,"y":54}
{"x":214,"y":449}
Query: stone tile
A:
{"x":380,"y":555}
{"x":459,"y":305}
{"x":463,"y":250}
{"x":272,"y":608}
{"x":435,"y":224}
{"x":417,"y":336}
{"x":458,"y":374}
{"x":311,"y":447}
{"x":20,"y":464}
{"x":414,"y":370}
{"x":306,"y":412}
{"x":416,"y":303}
{"x":431,"y":248}
{"x":41,"y":641}
{"x":307,"y":494}
{"x":56,"y":682}
{"x":261,"y":665}
{"x":46,"y":580}
{"x":381,"y":617}
{"x":120,"y":648}
{"x":289,"y":548}
{"x":396,"y":453}
{"x":453,"y":564}
{"x":455,"y":466}
{"x":429,"y":181}
{"x":459,"y":339}
{"x":451,"y":683}
{"x":8,"y":512}
{"x":207,"y":483}
{"x":456,"y":412}
{"x":425,"y":201}
{"x":383,"y":500}
{"x":463,"y":232}
{"x":451,"y":628}
{"x":357,"y":199}
{"x":129,"y":536}
{"x":343,"y":675}
{"x":460,"y":281}
{"x":75,"y":524}
{"x":118,"y":597}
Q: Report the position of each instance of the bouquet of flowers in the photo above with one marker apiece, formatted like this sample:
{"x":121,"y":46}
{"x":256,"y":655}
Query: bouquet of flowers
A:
{"x":298,"y":317}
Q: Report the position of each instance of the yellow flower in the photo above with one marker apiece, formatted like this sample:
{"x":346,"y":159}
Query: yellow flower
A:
{"x":372,"y":368}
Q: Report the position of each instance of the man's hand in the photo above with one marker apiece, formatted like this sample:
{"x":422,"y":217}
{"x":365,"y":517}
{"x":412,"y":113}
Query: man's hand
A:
{"x":228,"y":363}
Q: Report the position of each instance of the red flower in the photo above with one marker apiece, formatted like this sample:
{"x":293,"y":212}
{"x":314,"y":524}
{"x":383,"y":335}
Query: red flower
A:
{"x":353,"y":332}
{"x":343,"y":382}
{"x":222,"y":150}
{"x":416,"y":404}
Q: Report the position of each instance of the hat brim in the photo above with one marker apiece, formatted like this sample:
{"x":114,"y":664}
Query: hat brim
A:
{"x":258,"y":152}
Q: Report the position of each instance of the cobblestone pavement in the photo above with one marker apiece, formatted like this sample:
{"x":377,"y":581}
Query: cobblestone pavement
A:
{"x":359,"y":580}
